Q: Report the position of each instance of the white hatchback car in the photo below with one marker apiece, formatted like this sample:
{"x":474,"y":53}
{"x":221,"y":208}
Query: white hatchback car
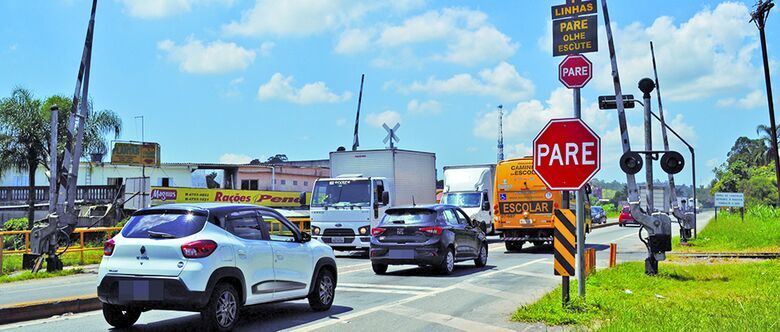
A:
{"x":212,"y":258}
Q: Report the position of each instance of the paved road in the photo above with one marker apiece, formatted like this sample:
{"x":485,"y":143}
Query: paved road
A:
{"x":410,"y":298}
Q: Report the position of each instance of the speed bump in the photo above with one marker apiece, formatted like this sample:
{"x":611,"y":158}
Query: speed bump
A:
{"x":564,"y":242}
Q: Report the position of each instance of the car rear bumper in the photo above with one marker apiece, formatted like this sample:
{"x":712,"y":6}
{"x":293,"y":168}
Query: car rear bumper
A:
{"x":407,"y":254}
{"x":150,"y":293}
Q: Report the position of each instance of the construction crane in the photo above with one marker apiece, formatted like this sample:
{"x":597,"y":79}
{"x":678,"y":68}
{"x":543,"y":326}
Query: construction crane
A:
{"x":46,"y":239}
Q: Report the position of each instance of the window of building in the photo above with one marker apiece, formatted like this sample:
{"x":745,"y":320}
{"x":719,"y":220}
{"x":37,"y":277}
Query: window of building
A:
{"x":283,"y":181}
{"x":249,"y":184}
{"x":306,"y":183}
{"x":114,"y":181}
{"x":166,"y":182}
{"x":295,"y":182}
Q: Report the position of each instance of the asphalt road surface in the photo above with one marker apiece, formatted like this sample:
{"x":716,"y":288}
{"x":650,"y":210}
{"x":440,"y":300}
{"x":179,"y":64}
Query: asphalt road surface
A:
{"x":408,"y":298}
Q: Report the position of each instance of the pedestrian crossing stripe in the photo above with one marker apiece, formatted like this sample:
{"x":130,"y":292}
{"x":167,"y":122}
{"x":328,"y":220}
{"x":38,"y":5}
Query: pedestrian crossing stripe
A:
{"x":564,"y":242}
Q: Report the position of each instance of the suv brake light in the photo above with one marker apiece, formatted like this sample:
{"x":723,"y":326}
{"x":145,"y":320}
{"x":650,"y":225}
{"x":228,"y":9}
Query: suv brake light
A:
{"x":432,"y":230}
{"x":377,"y":231}
{"x":108,"y":247}
{"x":198,"y":249}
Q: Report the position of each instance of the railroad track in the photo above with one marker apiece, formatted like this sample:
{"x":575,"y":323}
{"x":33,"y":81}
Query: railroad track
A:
{"x":749,"y":255}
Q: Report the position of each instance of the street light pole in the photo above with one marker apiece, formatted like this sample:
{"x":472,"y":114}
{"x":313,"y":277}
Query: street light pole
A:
{"x":143,"y":166}
{"x":759,"y":17}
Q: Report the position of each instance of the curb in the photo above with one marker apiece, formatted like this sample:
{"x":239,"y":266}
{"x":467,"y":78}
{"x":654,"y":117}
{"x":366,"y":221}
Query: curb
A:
{"x":604,"y":225}
{"x":47,"y":308}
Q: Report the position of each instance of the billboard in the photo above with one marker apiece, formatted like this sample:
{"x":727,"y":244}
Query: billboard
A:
{"x":168,"y":195}
{"x":136,"y":154}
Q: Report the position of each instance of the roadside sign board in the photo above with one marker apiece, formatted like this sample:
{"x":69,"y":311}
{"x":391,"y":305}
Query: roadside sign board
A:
{"x":567,"y":154}
{"x":575,"y":71}
{"x":729,"y":199}
{"x":136,"y":154}
{"x":564,"y":242}
{"x":575,"y":27}
{"x":168,"y":195}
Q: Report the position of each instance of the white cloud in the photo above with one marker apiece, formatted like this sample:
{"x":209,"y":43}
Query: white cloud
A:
{"x":752,"y":100}
{"x":233,"y":158}
{"x":469,"y":37}
{"x":266,"y":47}
{"x":341,"y":122}
{"x":152,"y":9}
{"x":517,"y":150}
{"x":307,"y":18}
{"x":388,"y":117}
{"x":502,"y":82}
{"x":428,"y":106}
{"x":280,"y":87}
{"x":353,"y":41}
{"x":195,"y":57}
{"x":709,"y":55}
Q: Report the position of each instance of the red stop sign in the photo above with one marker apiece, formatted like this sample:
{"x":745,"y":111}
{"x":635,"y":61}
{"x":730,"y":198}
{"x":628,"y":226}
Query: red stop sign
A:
{"x":567,"y":154}
{"x":575,"y":71}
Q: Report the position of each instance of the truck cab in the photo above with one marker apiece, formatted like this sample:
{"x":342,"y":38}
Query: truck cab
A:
{"x":470,"y":187}
{"x":343,"y":209}
{"x":476,"y":204}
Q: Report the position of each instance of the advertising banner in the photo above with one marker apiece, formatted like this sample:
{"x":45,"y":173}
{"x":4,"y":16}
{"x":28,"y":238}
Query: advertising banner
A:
{"x":136,"y":154}
{"x":168,"y":195}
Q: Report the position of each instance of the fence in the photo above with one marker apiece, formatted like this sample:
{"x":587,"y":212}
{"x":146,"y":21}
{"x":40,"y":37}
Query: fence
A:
{"x":90,"y":194}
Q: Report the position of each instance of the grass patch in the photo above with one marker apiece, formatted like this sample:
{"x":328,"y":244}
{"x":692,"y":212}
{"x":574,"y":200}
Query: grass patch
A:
{"x":27,"y":275}
{"x":724,"y":296}
{"x":13,"y":263}
{"x":760,"y":232}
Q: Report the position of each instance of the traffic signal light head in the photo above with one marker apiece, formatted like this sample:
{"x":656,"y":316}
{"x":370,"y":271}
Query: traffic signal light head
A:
{"x":631,"y":162}
{"x":646,"y":85}
{"x":672,"y":162}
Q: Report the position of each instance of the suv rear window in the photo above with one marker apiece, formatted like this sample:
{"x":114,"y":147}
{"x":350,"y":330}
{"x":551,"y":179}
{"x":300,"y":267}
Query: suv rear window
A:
{"x":408,"y":216}
{"x":164,"y":224}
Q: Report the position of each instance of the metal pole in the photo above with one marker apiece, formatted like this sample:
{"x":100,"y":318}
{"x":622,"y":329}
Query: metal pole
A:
{"x":53,"y":170}
{"x":648,"y":156}
{"x":759,"y":17}
{"x":695,"y":215}
{"x":143,"y":166}
{"x":565,"y":289}
{"x":580,"y":213}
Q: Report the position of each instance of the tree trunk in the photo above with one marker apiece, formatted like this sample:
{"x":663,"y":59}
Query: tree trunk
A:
{"x":32,"y":167}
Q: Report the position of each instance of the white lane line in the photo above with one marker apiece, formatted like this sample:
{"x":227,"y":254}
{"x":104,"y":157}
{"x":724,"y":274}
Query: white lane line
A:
{"x":70,"y":285}
{"x":347,"y":317}
{"x":535,"y":275}
{"x":378,"y":290}
{"x":623,"y":237}
{"x":419,"y":288}
{"x":446,"y":320}
{"x":489,"y":291}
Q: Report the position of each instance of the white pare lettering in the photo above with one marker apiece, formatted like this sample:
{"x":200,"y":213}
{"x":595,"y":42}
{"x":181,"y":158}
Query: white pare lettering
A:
{"x":572,"y":154}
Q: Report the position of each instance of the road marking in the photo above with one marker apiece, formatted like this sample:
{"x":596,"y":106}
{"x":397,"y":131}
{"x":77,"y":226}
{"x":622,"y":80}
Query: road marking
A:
{"x":442,"y":319}
{"x":378,"y":290}
{"x":347,"y":317}
{"x":418,"y":288}
{"x":535,"y":275}
{"x":489,"y":291}
{"x":623,"y":237}
{"x":26,"y":290}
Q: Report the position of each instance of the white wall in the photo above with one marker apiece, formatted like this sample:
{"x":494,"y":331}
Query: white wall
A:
{"x":93,"y":174}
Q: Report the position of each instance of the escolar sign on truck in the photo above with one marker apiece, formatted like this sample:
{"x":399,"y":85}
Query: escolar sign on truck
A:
{"x":166,"y":195}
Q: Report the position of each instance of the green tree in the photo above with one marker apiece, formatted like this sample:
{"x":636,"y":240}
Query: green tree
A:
{"x":23,"y":139}
{"x":764,"y":133}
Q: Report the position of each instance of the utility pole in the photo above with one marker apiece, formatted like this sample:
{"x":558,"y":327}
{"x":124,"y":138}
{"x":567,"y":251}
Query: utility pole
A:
{"x":143,"y":166}
{"x":759,"y":17}
{"x":500,"y":133}
{"x":355,"y":140}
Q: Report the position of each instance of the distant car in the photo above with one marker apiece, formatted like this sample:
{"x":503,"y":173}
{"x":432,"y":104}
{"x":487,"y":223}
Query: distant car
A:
{"x":626,"y":218}
{"x":433,"y":235}
{"x":598,"y":215}
{"x":211,"y":258}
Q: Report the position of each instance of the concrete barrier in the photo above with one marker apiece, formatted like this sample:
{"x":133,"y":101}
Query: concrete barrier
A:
{"x":46,"y":308}
{"x":604,"y":225}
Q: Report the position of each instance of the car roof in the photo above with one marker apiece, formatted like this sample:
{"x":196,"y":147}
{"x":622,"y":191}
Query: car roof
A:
{"x":434,"y":207}
{"x":217,"y":209}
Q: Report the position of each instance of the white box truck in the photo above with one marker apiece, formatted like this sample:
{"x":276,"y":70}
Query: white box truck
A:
{"x":365,"y":183}
{"x":470,"y":187}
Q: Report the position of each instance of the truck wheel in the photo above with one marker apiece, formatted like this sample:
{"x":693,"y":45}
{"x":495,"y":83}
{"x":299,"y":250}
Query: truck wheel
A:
{"x":118,"y":317}
{"x":513,"y":246}
{"x":379,"y":268}
{"x":221,"y":313}
{"x":538,"y":243}
{"x":321,"y":297}
{"x":481,"y":260}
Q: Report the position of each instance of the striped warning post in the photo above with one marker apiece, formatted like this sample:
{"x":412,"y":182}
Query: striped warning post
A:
{"x":564,"y":242}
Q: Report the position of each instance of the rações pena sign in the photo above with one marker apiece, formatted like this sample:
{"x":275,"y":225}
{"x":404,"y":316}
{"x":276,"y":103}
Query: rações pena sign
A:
{"x":167,"y":195}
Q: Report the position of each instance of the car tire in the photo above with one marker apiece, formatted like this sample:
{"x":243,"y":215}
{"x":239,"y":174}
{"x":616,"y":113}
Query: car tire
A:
{"x":620,"y":224}
{"x":323,"y":291}
{"x":379,"y":268}
{"x":513,"y":246}
{"x":118,"y":317}
{"x":482,"y":256}
{"x":447,"y":265}
{"x":221,"y":312}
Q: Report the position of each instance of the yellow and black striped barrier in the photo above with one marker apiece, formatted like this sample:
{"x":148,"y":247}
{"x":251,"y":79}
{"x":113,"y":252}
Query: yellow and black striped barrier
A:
{"x":564,"y":242}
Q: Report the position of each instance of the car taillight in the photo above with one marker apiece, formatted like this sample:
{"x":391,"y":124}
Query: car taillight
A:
{"x":377,"y":231}
{"x":108,"y":247}
{"x":198,"y":249}
{"x":432,"y":230}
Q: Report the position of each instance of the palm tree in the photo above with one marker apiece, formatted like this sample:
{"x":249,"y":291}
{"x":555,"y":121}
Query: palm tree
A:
{"x":23,"y":139}
{"x":764,"y":132}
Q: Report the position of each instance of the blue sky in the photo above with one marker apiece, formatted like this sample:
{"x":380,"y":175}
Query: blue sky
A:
{"x":231,"y":80}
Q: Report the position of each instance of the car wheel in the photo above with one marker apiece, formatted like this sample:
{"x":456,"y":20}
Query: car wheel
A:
{"x":321,"y":297}
{"x":448,"y":263}
{"x":221,"y":313}
{"x":379,"y":268}
{"x":481,"y":260}
{"x":118,"y":317}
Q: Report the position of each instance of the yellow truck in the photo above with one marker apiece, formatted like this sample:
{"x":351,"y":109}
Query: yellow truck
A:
{"x":523,"y":205}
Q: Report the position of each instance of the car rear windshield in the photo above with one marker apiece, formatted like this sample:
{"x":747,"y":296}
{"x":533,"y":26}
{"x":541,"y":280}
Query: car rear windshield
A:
{"x":408,"y":216}
{"x":164,"y":224}
{"x":626,"y":209}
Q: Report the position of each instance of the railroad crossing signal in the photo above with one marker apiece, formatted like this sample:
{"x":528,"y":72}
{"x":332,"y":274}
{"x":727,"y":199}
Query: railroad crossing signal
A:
{"x":564,"y":242}
{"x":567,"y":153}
{"x":575,"y":71}
{"x":391,"y":134}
